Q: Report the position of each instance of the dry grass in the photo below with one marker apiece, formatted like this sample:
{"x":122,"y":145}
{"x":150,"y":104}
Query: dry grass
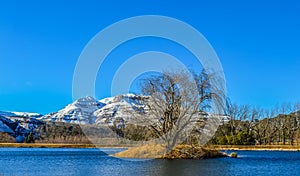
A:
{"x":146,"y":151}
{"x":257,"y":147}
{"x":62,"y":145}
{"x":190,"y":152}
{"x":179,"y":152}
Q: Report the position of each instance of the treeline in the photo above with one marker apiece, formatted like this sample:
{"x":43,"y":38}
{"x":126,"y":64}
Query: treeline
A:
{"x":58,"y":132}
{"x":255,"y":126}
{"x":247,"y":125}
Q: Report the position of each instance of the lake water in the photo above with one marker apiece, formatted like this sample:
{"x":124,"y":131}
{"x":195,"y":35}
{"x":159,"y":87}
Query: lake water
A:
{"x":45,"y":161}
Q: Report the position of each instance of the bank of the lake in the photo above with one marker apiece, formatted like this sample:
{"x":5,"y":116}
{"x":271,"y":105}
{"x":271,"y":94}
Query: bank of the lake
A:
{"x":257,"y":147}
{"x":60,"y":145}
{"x":215,"y":147}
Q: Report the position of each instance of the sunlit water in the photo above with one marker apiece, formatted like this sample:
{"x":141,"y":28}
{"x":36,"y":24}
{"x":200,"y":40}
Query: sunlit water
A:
{"x":45,"y":161}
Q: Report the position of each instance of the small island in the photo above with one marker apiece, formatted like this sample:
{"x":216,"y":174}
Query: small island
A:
{"x":179,"y":152}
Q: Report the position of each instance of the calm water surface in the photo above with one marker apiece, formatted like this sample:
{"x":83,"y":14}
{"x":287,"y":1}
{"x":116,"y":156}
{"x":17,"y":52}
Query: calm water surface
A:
{"x":45,"y":161}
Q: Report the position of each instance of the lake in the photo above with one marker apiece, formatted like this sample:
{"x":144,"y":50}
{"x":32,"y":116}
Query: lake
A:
{"x":50,"y":161}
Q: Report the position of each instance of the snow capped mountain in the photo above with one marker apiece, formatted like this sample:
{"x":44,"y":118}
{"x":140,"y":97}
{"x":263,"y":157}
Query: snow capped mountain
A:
{"x":20,"y":114}
{"x":27,"y":114}
{"x":108,"y":111}
{"x":80,"y":111}
{"x":19,"y":129}
{"x":113,"y":111}
{"x":118,"y":110}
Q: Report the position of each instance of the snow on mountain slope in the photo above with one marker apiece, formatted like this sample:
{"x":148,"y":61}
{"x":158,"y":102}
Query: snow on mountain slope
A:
{"x":108,"y":111}
{"x":80,"y":111}
{"x":107,"y":100}
{"x":19,"y":129}
{"x":3,"y":127}
{"x":19,"y":114}
{"x":119,"y":110}
{"x":27,"y":114}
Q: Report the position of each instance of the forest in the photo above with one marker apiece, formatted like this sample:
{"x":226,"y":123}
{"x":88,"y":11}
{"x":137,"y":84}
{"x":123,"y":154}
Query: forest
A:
{"x":256,"y":126}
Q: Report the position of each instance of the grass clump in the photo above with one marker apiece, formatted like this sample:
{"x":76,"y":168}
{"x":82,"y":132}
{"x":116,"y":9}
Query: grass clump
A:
{"x":179,"y":152}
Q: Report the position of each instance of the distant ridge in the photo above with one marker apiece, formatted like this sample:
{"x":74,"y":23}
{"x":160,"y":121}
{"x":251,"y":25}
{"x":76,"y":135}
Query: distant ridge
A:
{"x":107,"y":111}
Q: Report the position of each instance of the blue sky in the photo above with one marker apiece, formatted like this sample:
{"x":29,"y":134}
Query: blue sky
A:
{"x":257,"y":43}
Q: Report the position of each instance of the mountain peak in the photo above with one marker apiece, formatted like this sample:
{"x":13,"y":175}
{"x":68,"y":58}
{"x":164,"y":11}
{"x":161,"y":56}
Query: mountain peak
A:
{"x":88,"y":110}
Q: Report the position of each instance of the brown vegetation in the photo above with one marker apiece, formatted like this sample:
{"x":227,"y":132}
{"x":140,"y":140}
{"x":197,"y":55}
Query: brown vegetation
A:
{"x":190,"y":152}
{"x":255,"y":126}
{"x":257,"y":147}
{"x":179,"y":152}
{"x":146,"y":151}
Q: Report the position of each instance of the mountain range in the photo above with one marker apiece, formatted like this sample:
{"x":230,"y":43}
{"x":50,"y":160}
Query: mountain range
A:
{"x":87,"y":110}
{"x":113,"y":111}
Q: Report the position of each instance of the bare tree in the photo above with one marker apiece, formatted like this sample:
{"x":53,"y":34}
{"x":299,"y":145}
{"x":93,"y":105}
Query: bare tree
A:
{"x":177,"y":101}
{"x":258,"y":124}
{"x":269,"y":128}
{"x":237,"y":113}
{"x":297,"y":114}
{"x":292,"y":123}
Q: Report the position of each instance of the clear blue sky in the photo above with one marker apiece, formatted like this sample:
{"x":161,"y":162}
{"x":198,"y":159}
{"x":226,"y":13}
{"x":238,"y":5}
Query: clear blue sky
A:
{"x":40,"y":41}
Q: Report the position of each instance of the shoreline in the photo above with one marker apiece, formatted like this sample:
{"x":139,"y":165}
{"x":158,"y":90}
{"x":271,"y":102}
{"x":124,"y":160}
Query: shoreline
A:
{"x":215,"y":147}
{"x":47,"y":145}
{"x":257,"y":147}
